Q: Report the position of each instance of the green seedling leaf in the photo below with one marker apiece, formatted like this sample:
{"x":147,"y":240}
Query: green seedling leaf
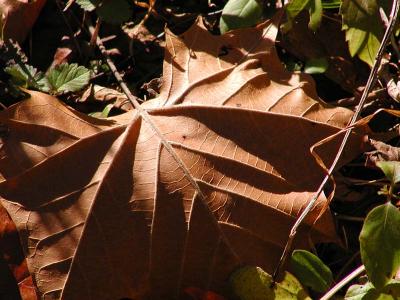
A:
{"x":114,"y":12}
{"x":369,"y":292}
{"x":380,"y":244}
{"x":363,"y":26}
{"x":28,"y":77}
{"x":68,"y":78}
{"x":88,"y":5}
{"x":20,"y":76}
{"x":240,"y":14}
{"x":253,"y":283}
{"x":315,"y":14}
{"x":106,"y":111}
{"x":391,"y":170}
{"x":311,"y":271}
{"x":316,"y":65}
{"x":102,"y":114}
{"x":314,"y":8}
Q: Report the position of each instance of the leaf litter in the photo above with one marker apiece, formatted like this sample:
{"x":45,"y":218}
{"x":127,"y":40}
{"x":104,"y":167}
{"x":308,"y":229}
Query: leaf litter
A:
{"x":181,"y":192}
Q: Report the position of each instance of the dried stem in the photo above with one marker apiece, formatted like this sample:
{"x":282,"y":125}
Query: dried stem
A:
{"x":72,"y":34}
{"x":343,"y":282}
{"x":370,"y":83}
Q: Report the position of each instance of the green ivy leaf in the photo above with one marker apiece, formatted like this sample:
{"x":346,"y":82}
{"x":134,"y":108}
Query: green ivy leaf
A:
{"x":380,"y":244}
{"x":391,"y":170}
{"x":68,"y":78}
{"x":316,"y":65}
{"x":311,"y":271}
{"x":253,"y":283}
{"x":27,"y":76}
{"x":363,"y":26}
{"x":115,"y":11}
{"x":239,"y":14}
{"x":314,"y":7}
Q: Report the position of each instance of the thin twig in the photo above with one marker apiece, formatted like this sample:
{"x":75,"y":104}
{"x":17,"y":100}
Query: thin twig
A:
{"x":347,"y":264}
{"x":344,"y":281}
{"x":350,"y":218}
{"x":72,"y":34}
{"x":393,"y":42}
{"x":70,"y":2}
{"x":95,"y":33}
{"x":331,"y":18}
{"x":370,"y":83}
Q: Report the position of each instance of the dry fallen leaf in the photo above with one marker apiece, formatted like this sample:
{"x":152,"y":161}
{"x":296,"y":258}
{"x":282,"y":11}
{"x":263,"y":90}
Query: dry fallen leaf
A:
{"x":211,"y":175}
{"x":16,"y":282}
{"x":18,"y":17}
{"x":97,"y":93}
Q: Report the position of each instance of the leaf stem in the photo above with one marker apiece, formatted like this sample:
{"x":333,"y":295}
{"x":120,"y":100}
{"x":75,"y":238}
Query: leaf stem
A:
{"x":370,"y":83}
{"x":343,"y":282}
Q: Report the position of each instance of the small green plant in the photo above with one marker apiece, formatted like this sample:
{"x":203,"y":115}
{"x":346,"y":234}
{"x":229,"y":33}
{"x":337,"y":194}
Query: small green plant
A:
{"x":253,"y":283}
{"x":314,"y":8}
{"x":361,"y":21}
{"x":380,"y":254}
{"x":58,"y":80}
{"x":380,"y":242}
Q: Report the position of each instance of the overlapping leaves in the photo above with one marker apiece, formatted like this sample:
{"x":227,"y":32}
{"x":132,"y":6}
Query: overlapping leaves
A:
{"x":209,"y":176}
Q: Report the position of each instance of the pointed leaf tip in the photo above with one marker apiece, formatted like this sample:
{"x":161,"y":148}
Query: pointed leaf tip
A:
{"x":240,"y":14}
{"x":391,"y":170}
{"x":311,"y":271}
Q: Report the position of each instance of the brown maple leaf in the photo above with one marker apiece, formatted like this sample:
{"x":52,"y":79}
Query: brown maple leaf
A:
{"x":209,"y":176}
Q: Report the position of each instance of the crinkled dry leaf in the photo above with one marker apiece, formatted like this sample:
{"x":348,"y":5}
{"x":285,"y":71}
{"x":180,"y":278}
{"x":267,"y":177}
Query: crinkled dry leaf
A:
{"x":19,"y":17}
{"x":211,"y":175}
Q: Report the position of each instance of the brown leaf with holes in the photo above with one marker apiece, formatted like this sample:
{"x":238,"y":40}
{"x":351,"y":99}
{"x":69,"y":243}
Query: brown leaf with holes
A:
{"x":209,"y":176}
